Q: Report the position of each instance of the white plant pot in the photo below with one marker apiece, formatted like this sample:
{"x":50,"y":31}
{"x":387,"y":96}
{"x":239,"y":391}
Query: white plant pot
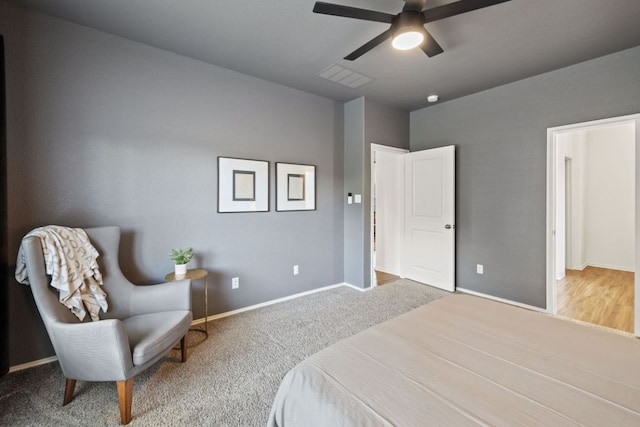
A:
{"x":181,"y":270}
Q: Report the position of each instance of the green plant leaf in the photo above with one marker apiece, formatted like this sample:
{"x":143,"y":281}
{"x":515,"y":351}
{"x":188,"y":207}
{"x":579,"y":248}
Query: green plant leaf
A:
{"x":181,"y":256}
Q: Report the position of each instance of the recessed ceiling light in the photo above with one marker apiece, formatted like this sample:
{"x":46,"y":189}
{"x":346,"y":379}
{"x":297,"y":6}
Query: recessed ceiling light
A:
{"x":432,"y":98}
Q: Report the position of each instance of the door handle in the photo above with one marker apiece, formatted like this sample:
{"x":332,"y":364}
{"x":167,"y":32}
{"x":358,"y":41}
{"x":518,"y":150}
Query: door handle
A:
{"x":449,"y":226}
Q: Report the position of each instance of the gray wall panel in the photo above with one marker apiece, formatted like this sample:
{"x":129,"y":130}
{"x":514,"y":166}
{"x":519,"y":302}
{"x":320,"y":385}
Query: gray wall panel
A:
{"x":500,"y":139}
{"x":353,"y":183}
{"x":102,"y":130}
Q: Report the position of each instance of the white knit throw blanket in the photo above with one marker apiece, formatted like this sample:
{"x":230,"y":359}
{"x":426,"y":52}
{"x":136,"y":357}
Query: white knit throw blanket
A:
{"x":71,"y":260}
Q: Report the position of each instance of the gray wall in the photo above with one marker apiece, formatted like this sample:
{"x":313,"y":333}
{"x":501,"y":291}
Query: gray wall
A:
{"x":102,"y":130}
{"x":500,"y":139}
{"x":366,"y":122}
{"x":353,"y":183}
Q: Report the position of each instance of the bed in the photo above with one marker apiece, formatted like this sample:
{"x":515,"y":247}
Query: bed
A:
{"x":463,"y":360}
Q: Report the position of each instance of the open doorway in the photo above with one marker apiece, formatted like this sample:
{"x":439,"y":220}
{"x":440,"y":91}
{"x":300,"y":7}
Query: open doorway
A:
{"x":412,"y":215}
{"x":593,"y":230}
{"x":387,"y":201}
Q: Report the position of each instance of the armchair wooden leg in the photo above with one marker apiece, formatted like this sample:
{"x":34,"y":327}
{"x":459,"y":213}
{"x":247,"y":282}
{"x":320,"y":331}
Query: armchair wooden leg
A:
{"x":68,"y":391}
{"x":125,"y":394}
{"x":183,"y":348}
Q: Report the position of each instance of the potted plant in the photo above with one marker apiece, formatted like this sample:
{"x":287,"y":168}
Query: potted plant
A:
{"x":181,"y":257}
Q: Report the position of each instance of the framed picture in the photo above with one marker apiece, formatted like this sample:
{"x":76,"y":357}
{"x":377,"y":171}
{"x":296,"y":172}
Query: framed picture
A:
{"x":295,"y":187}
{"x":243,"y":185}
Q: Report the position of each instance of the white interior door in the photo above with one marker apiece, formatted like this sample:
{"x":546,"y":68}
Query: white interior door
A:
{"x":429,"y":227}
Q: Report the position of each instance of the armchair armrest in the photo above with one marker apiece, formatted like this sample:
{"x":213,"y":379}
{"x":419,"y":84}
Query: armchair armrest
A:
{"x":163,"y":297}
{"x":94,"y":351}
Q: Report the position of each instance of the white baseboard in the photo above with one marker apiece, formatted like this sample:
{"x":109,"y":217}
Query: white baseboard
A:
{"x":610,"y":267}
{"x":213,"y":317}
{"x":357,"y":288}
{"x":506,"y":301}
{"x":275,"y":301}
{"x":33,"y":364}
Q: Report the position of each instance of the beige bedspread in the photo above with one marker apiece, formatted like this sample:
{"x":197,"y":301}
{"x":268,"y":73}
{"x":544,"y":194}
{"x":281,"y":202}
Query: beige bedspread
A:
{"x":463,"y":360}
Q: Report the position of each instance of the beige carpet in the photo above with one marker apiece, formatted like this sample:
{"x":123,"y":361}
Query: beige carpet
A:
{"x":229,"y":380}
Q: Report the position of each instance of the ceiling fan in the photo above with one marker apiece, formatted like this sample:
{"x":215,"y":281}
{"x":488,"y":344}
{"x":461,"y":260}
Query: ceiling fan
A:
{"x":407,"y":27}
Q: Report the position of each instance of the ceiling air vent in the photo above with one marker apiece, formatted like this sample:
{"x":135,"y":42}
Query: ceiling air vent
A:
{"x":344,"y":76}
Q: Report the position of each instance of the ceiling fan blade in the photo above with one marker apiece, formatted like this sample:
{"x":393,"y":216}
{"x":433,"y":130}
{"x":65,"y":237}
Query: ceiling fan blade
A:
{"x":352,"y":12}
{"x":430,"y":46}
{"x":368,"y":46}
{"x":457,"y":8}
{"x":413,"y":5}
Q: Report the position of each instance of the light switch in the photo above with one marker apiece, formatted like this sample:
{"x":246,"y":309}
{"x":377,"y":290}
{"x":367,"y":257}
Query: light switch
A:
{"x":358,"y":198}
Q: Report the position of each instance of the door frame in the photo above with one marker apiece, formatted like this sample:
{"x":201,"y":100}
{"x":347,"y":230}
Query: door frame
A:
{"x":552,"y":158}
{"x":569,"y":197}
{"x":387,"y":149}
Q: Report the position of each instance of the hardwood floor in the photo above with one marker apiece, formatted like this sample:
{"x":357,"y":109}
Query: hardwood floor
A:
{"x":384,"y":278}
{"x":598,"y":295}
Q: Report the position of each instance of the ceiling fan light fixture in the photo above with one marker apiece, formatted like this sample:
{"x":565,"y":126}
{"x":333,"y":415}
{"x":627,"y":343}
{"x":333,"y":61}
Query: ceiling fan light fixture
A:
{"x":407,"y":30}
{"x":408,"y":39}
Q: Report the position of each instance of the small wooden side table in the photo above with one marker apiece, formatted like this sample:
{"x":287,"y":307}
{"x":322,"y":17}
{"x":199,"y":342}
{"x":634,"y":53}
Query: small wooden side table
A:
{"x":195,"y":274}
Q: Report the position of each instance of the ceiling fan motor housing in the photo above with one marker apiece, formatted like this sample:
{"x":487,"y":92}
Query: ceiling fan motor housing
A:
{"x":408,"y":20}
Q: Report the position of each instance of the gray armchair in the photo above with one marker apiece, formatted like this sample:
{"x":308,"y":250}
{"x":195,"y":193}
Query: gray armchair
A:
{"x":141,"y":325}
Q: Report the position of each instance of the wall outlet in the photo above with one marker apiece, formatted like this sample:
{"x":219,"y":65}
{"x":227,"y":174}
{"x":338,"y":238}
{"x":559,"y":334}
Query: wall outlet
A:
{"x":480,"y":269}
{"x":235,"y":283}
{"x":295,"y":270}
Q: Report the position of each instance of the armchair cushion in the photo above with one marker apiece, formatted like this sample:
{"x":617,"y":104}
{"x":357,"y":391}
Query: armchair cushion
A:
{"x":155,"y":333}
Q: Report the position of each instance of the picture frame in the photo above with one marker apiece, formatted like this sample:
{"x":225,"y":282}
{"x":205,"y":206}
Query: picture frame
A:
{"x":295,"y":187}
{"x":243,"y":185}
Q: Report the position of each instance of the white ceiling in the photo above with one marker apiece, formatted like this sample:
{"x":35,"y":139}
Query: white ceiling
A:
{"x":284,"y":42}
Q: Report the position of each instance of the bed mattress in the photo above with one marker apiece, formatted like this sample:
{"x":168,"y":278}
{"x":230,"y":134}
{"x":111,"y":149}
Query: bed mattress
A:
{"x":463,"y":360}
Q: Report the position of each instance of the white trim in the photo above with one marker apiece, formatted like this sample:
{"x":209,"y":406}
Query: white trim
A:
{"x":357,"y":288}
{"x":552,"y":133}
{"x":610,"y":267}
{"x":33,"y":364}
{"x":594,"y":124}
{"x":275,"y":301}
{"x":388,"y":148}
{"x":506,"y":301}
{"x":550,"y":229}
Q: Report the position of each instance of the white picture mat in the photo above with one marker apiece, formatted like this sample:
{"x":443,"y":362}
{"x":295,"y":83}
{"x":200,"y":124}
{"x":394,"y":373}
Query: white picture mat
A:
{"x":283,"y":170}
{"x":226,"y":166}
